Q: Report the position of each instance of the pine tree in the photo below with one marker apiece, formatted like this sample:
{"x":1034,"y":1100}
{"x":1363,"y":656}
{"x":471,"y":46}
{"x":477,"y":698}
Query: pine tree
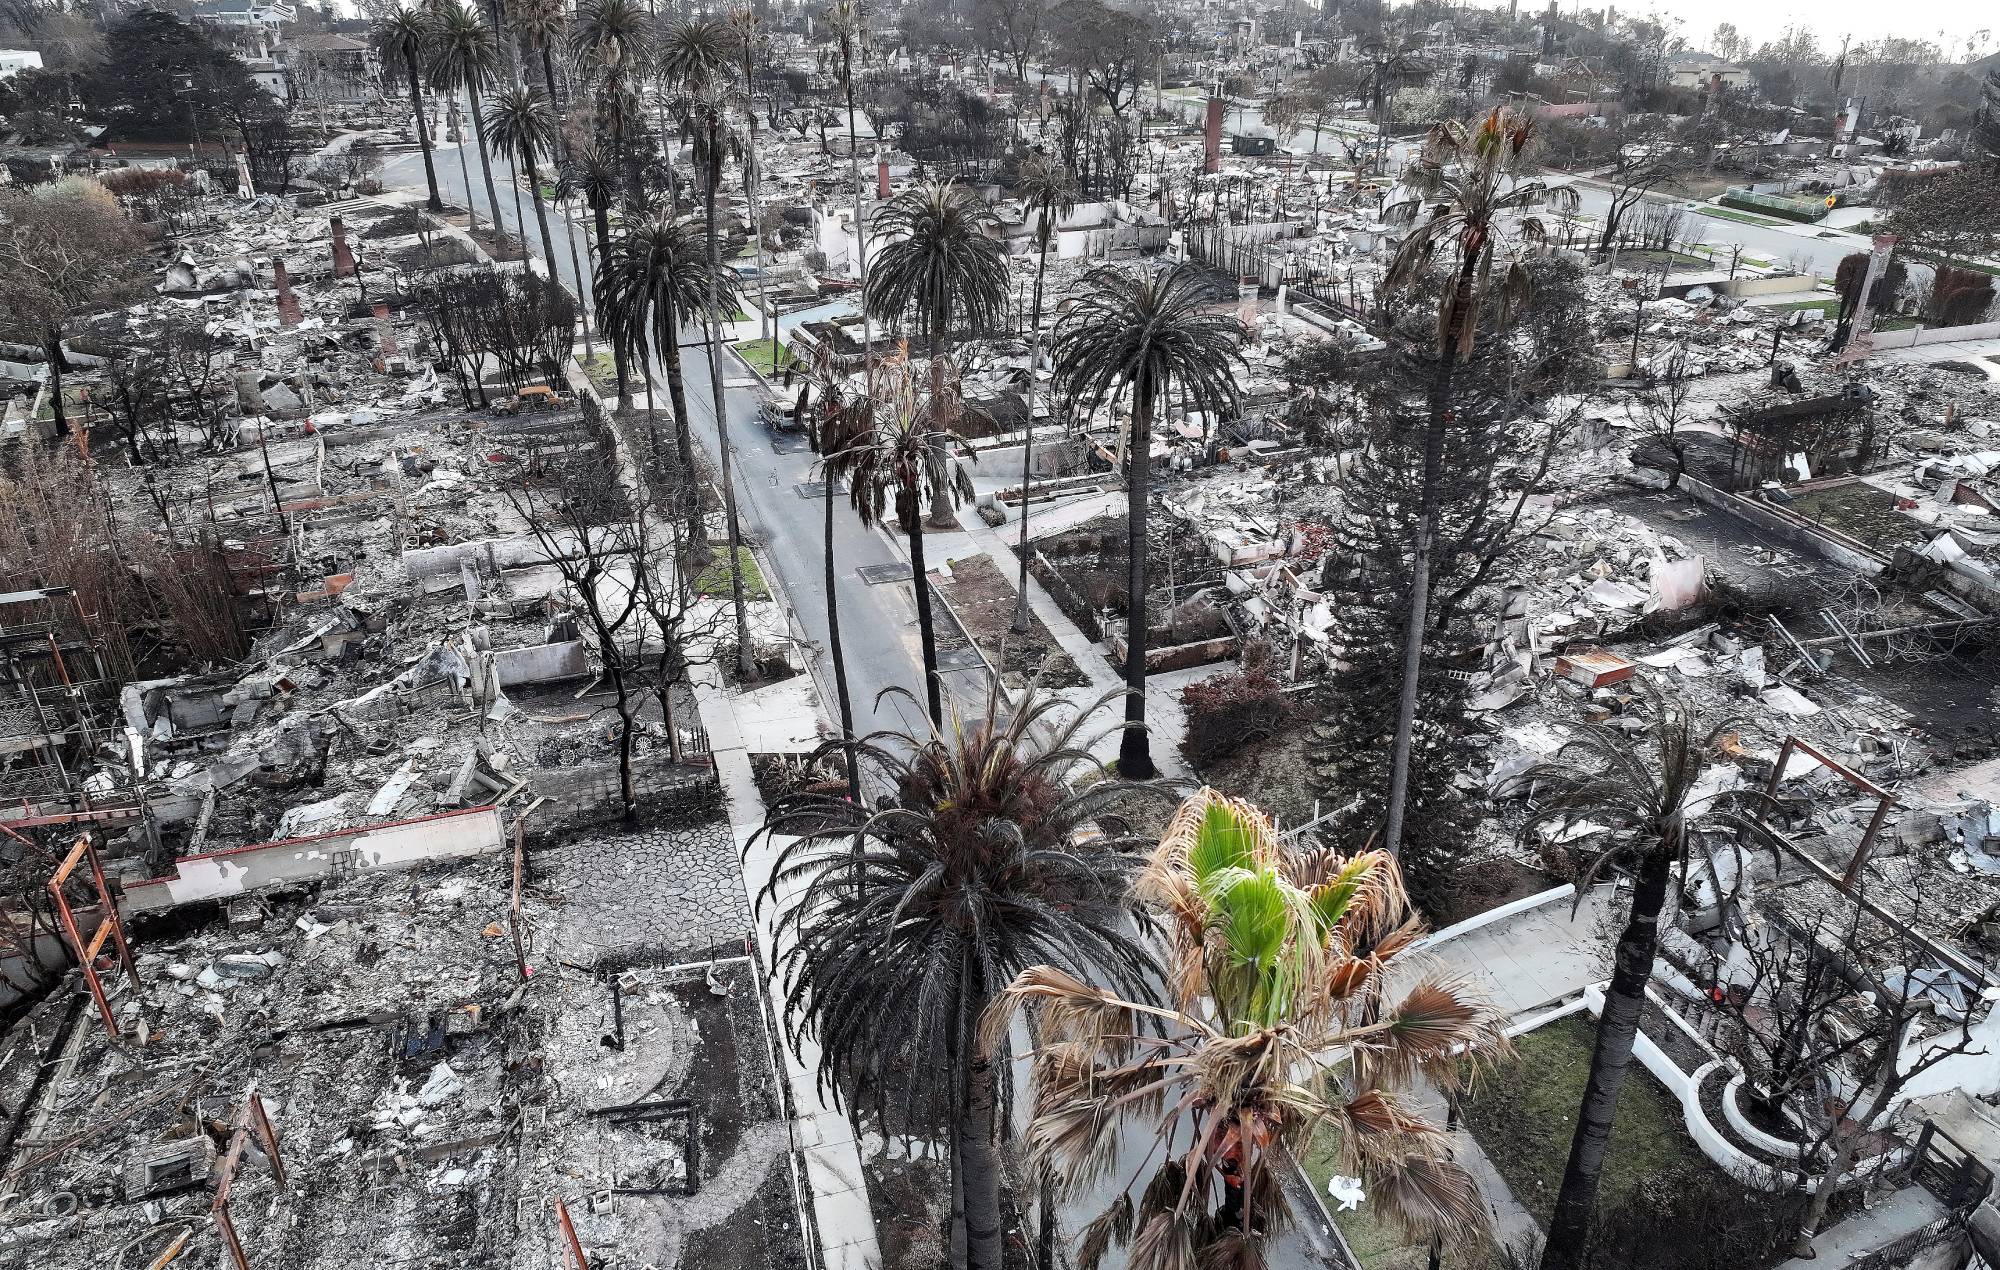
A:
{"x":1497,"y":448}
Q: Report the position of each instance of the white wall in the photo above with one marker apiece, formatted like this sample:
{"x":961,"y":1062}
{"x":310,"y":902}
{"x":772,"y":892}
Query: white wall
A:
{"x":400,"y":845}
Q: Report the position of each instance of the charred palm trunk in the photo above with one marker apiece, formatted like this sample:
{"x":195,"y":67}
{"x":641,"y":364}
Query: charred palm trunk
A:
{"x":670,"y":354}
{"x":1135,"y":757}
{"x":834,"y":649}
{"x":746,"y":665}
{"x":602,"y":215}
{"x":1022,"y":624}
{"x":433,"y":203}
{"x":485,"y":167}
{"x":1624,"y":1000}
{"x":909,"y":510}
{"x":541,"y":212}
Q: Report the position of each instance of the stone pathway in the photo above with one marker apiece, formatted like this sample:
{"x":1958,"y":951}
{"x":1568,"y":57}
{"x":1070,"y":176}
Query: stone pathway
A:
{"x":661,"y":892}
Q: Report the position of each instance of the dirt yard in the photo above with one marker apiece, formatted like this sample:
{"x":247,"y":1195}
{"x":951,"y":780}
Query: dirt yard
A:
{"x":984,"y":602}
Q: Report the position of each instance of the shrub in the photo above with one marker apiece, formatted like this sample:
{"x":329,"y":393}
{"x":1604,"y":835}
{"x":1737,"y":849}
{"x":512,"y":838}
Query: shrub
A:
{"x":1960,"y":297}
{"x":1228,"y":712}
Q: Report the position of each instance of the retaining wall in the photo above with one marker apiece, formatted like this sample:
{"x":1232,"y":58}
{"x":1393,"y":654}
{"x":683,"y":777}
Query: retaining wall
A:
{"x":403,"y":844}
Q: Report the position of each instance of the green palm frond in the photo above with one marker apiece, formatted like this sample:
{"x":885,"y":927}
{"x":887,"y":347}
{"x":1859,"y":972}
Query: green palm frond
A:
{"x":463,"y":55}
{"x":937,"y":258}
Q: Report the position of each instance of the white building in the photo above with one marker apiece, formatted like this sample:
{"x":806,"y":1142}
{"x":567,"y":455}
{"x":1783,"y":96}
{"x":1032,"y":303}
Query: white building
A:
{"x":264,"y":14}
{"x":1696,"y":70}
{"x":14,"y":61}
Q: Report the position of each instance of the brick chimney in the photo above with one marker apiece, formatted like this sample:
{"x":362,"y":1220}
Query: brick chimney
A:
{"x":385,"y":334}
{"x":1211,"y":136}
{"x":289,"y":313}
{"x":881,"y":175}
{"x":343,"y":259}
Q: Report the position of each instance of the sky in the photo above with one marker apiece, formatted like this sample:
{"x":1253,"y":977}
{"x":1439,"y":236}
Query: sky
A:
{"x":1865,"y":20}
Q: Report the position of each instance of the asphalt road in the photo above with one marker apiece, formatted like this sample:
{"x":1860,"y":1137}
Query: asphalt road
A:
{"x":878,"y":621}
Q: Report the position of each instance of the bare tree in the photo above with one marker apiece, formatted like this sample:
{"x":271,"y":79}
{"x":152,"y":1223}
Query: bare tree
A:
{"x":593,"y":537}
{"x":1664,"y":410}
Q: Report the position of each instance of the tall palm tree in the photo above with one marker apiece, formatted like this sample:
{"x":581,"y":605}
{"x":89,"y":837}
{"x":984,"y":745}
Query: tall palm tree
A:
{"x":521,"y":121}
{"x":836,"y":418}
{"x":403,"y":39}
{"x":849,"y":29}
{"x":1470,"y":182}
{"x":1280,"y":1018}
{"x":1047,"y":193}
{"x":697,"y":58}
{"x":614,"y":36}
{"x":544,"y":24}
{"x":657,"y":278}
{"x":893,"y":468}
{"x":899,"y":924}
{"x":939,"y":263}
{"x":464,"y":57}
{"x":1139,"y":337}
{"x":749,"y":27}
{"x":1647,"y":794}
{"x":590,"y":173}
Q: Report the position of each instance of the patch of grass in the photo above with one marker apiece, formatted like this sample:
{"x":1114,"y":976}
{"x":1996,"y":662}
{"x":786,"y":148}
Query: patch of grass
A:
{"x":1825,"y":308}
{"x":602,"y":370}
{"x":714,"y":580}
{"x":1746,"y":218}
{"x":1375,"y":1240}
{"x":1524,"y":1112}
{"x":767,"y":357}
{"x":1897,"y":323}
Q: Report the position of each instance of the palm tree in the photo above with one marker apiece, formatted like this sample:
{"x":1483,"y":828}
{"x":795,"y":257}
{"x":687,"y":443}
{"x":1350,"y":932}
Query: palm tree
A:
{"x":521,"y":121}
{"x":544,"y":24}
{"x":899,"y":924}
{"x":1139,"y":337}
{"x":748,"y":27}
{"x":465,"y":57}
{"x":590,"y":173}
{"x":836,"y":419}
{"x":403,"y":39}
{"x":657,"y":278}
{"x":614,"y":35}
{"x":849,"y":29}
{"x":1048,"y":193}
{"x":902,"y":460}
{"x":1280,"y":1019}
{"x":1655,"y":811}
{"x":1470,"y":182}
{"x":698,"y":58}
{"x":940,"y":263}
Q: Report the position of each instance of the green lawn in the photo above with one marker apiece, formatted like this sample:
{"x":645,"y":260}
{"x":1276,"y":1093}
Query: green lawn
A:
{"x":1897,"y":323}
{"x":1747,"y":218}
{"x":602,"y":370}
{"x":1825,"y":308}
{"x":767,"y":356}
{"x":1374,"y":1240}
{"x":714,"y":580}
{"x":1524,"y":1111}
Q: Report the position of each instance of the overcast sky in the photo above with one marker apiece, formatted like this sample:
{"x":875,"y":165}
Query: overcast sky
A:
{"x":1865,"y":20}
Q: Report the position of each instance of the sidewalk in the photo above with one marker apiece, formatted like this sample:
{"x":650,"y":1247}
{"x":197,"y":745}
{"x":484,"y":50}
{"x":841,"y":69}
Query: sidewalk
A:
{"x":781,"y":717}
